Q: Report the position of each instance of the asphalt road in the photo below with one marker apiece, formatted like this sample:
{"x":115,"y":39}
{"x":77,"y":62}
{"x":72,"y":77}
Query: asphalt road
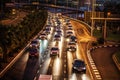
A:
{"x":59,"y":67}
{"x":105,"y":64}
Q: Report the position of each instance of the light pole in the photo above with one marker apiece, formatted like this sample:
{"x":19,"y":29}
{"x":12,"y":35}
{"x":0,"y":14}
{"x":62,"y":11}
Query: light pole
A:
{"x":105,"y":23}
{"x":93,"y":10}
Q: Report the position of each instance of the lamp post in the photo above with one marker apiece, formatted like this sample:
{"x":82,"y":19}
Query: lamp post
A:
{"x":105,"y":20}
{"x":105,"y":25}
{"x":93,"y":10}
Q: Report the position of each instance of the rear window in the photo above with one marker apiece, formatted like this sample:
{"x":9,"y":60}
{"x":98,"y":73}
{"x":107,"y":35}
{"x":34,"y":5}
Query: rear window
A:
{"x":54,"y":48}
{"x":34,"y":42}
{"x":81,"y":63}
{"x":33,"y":50}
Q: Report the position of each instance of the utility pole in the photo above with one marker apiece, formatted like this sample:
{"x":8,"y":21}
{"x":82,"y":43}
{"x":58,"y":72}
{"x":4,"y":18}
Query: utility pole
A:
{"x":93,"y":11}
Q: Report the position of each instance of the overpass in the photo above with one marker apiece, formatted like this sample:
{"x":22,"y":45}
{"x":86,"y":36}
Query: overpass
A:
{"x":49,"y":6}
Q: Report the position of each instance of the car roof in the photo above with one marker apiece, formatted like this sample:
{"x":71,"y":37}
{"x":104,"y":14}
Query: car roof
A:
{"x":71,"y":42}
{"x":54,"y":47}
{"x":79,"y":60}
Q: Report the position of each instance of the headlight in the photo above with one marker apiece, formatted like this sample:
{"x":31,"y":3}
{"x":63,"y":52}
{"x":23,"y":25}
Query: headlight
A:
{"x":75,"y":67}
{"x":84,"y":68}
{"x":30,"y":45}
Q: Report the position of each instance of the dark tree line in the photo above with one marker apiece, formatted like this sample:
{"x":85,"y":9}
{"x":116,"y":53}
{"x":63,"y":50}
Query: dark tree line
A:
{"x":111,"y":6}
{"x":13,"y":38}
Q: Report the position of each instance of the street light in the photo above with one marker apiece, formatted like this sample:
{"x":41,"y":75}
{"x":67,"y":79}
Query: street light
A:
{"x":92,"y":24}
{"x":108,"y":14}
{"x":105,"y":23}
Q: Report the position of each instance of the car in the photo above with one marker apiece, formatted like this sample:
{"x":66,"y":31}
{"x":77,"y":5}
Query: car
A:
{"x":59,"y":31}
{"x":78,"y":65}
{"x":35,"y":43}
{"x":69,"y":33}
{"x":47,"y":30}
{"x":54,"y":51}
{"x":43,"y":36}
{"x":73,"y":39}
{"x":69,"y":28}
{"x":33,"y":52}
{"x":57,"y":37}
{"x":71,"y":46}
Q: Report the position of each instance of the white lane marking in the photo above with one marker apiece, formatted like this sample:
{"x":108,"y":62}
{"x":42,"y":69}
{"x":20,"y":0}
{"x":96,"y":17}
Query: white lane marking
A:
{"x":65,"y":65}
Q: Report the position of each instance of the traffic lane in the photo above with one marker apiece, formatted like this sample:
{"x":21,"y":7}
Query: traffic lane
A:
{"x":53,"y":64}
{"x":83,"y":37}
{"x":105,"y":64}
{"x":17,"y":70}
{"x":57,"y":68}
{"x":81,"y":32}
{"x":76,"y":55}
{"x":24,"y":68}
{"x":31,"y":69}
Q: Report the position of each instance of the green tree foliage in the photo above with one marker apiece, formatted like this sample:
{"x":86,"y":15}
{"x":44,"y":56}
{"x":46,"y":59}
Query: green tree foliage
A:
{"x":13,"y":38}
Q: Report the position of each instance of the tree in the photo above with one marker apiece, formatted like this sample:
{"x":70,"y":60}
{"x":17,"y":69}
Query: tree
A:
{"x":3,"y":41}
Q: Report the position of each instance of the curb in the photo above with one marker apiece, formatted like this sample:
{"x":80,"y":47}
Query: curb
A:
{"x":116,"y":61}
{"x":93,"y":66}
{"x":103,"y":46}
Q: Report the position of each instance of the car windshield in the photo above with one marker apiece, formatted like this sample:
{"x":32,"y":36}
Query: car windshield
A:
{"x":57,"y":35}
{"x":33,"y":50}
{"x":54,"y":48}
{"x":69,"y":32}
{"x":79,"y":62}
{"x":71,"y":43}
{"x":34,"y":42}
{"x":59,"y":31}
{"x":73,"y":37}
